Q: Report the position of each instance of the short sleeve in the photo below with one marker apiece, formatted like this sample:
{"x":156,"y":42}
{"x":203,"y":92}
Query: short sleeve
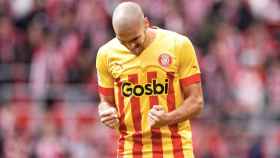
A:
{"x":189,"y":71}
{"x":105,"y":79}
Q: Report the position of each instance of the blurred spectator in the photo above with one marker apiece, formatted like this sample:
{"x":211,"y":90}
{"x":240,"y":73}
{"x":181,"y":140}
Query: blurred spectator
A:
{"x":50,"y":145}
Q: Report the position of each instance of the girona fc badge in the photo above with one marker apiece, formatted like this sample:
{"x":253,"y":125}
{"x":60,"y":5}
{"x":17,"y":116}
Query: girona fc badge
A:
{"x":165,"y":60}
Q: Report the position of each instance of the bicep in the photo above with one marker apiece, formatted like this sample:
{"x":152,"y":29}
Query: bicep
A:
{"x":194,"y":97}
{"x":194,"y":90}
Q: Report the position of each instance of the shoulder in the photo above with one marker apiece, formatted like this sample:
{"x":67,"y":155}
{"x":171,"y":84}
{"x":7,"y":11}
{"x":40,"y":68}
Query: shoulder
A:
{"x":179,"y":39}
{"x":167,"y":33}
{"x":109,"y":46}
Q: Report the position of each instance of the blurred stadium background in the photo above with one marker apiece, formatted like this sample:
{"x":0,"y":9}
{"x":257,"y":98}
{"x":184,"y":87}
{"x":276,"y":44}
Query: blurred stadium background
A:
{"x":48,"y":91}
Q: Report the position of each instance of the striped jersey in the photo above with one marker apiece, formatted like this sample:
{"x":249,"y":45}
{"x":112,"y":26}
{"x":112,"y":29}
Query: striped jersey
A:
{"x":155,"y":77}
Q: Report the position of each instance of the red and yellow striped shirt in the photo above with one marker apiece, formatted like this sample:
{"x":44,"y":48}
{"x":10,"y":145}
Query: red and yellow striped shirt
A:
{"x":155,"y":77}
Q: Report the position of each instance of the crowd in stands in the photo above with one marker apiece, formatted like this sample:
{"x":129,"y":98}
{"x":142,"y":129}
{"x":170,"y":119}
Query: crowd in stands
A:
{"x":48,"y":91}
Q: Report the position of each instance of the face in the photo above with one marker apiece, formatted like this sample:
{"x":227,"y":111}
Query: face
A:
{"x":133,"y":38}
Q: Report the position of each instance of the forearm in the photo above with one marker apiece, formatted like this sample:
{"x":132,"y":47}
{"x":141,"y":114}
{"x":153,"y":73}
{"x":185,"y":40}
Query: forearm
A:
{"x":103,"y":104}
{"x":106,"y":102}
{"x":191,"y":107}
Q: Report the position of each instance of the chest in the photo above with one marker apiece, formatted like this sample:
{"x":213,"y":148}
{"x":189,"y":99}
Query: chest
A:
{"x":158,"y":61}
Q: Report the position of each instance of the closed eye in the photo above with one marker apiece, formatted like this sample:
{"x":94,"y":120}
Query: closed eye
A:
{"x":130,"y":41}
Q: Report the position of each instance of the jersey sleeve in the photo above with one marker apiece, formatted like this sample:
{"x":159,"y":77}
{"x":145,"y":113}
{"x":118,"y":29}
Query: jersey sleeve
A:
{"x":189,"y":71}
{"x":105,"y":79}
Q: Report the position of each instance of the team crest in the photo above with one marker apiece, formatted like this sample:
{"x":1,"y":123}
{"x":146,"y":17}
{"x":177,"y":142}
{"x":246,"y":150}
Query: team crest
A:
{"x":165,"y":60}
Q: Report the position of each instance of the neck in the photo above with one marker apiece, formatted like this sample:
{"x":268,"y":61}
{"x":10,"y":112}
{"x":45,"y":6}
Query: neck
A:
{"x":150,"y":36}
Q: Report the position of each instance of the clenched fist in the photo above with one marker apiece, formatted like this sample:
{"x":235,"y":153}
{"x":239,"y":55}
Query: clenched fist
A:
{"x":108,"y":115}
{"x":157,"y":117}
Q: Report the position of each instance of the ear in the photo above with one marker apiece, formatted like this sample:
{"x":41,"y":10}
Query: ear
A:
{"x":146,"y":22}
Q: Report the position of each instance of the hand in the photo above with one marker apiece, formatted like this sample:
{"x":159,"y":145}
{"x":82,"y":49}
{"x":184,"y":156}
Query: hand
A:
{"x":108,"y":116}
{"x":157,"y":117}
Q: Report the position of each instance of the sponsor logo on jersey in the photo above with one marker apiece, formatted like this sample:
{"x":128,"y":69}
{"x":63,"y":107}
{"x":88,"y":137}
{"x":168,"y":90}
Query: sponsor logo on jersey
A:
{"x":154,"y":88}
